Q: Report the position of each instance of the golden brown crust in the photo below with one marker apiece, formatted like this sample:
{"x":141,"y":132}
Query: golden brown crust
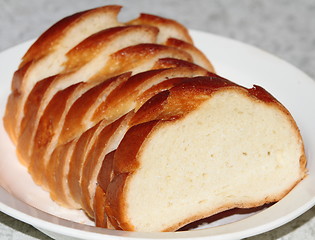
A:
{"x":124,"y":96}
{"x":106,"y":173}
{"x":181,"y":98}
{"x":104,"y":177}
{"x":156,"y":89}
{"x":30,"y":111}
{"x":152,"y":20}
{"x":77,"y":145}
{"x":108,"y":108}
{"x":124,"y":163}
{"x":114,"y":202}
{"x":77,"y":161}
{"x":151,"y":109}
{"x":48,"y":41}
{"x":54,"y":174}
{"x":99,"y":208}
{"x":90,"y":47}
{"x":124,"y":59}
{"x":198,"y":56}
{"x":51,"y":172}
{"x":91,"y":161}
{"x":73,"y":124}
{"x":125,"y":157}
{"x":45,"y":132}
{"x":9,"y":119}
{"x":122,"y":93}
{"x":169,"y":62}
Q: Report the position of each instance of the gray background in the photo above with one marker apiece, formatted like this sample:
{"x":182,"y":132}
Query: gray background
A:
{"x":285,"y":28}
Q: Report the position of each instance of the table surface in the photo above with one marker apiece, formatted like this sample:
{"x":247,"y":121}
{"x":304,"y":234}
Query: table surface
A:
{"x":284,"y":28}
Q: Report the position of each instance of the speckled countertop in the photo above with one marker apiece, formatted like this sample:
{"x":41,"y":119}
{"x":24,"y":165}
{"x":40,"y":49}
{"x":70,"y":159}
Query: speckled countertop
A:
{"x":285,"y":28}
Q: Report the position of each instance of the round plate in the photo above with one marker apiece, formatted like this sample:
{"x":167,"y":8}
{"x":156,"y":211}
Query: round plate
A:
{"x":236,"y":61}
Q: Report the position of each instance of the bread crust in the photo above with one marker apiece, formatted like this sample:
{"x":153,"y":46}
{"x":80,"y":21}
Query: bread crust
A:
{"x":92,"y":161}
{"x":147,"y":54}
{"x":48,"y":41}
{"x":9,"y":119}
{"x":99,"y":208}
{"x":163,"y":23}
{"x":27,"y":125}
{"x":85,"y":51}
{"x":124,"y":163}
{"x":198,"y":56}
{"x":56,"y":176}
{"x":126,"y":94}
{"x":74,"y":121}
{"x":104,"y":177}
{"x":77,"y":162}
{"x":45,"y":132}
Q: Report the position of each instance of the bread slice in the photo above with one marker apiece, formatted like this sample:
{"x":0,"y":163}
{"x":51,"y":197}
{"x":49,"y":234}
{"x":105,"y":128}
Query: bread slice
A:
{"x":227,"y":140}
{"x":99,"y":208}
{"x":56,"y":176}
{"x":46,"y":57}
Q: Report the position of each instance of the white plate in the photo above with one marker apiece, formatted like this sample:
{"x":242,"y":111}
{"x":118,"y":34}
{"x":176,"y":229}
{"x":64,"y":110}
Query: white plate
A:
{"x":236,"y":61}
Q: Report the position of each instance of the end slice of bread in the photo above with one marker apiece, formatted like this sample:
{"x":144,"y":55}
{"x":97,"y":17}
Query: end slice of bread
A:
{"x":233,"y":143}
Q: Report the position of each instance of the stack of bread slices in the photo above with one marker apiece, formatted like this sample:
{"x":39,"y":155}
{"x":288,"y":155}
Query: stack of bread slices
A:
{"x":129,"y":122}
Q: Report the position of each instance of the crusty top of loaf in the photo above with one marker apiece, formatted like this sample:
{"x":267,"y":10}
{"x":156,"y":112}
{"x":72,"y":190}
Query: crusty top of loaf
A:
{"x":166,"y":25}
{"x":49,"y":39}
{"x":91,"y":46}
{"x":198,"y":56}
